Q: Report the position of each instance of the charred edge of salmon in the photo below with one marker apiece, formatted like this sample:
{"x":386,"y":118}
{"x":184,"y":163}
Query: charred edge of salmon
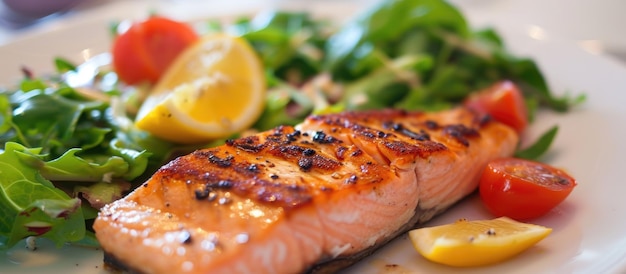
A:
{"x":329,"y":266}
{"x":117,"y":266}
{"x":458,"y":132}
{"x":334,"y":265}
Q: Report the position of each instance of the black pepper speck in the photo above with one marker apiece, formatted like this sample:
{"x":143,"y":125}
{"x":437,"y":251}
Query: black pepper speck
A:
{"x":308,"y":152}
{"x":305,"y":164}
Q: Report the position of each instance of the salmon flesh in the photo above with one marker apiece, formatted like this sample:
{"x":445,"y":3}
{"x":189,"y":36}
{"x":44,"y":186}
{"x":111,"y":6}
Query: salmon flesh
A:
{"x":313,"y":198}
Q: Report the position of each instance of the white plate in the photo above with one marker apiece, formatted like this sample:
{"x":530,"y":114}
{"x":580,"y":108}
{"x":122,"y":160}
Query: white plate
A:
{"x":589,"y":227}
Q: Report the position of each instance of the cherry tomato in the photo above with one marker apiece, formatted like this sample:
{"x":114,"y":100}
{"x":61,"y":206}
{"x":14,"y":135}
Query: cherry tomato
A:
{"x":504,"y":102}
{"x":523,"y":189}
{"x":143,"y":52}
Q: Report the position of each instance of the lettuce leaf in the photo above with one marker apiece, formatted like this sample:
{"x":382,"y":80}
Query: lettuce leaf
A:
{"x":31,"y":205}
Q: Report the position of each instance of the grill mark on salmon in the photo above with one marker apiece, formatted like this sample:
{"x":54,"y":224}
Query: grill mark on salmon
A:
{"x":312,"y":198}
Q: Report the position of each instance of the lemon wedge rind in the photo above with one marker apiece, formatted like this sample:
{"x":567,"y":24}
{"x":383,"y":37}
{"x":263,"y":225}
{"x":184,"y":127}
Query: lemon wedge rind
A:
{"x":476,"y":243}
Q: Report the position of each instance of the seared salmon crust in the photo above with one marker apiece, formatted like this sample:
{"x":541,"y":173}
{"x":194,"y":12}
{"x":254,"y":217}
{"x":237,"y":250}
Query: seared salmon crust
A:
{"x":316,"y":197}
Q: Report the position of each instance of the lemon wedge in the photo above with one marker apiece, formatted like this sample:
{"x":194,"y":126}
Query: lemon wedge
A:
{"x":213,"y":89}
{"x":476,"y":243}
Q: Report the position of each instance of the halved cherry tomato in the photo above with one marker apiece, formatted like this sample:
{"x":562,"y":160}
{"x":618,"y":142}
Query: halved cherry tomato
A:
{"x":523,"y":189}
{"x":504,"y":102}
{"x":147,"y":48}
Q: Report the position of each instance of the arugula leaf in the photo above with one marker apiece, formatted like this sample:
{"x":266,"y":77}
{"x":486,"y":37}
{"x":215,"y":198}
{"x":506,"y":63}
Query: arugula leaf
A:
{"x":69,"y":167}
{"x":540,"y":147}
{"x":290,"y":44}
{"x":464,"y":60}
{"x":381,"y":28}
{"x":29,"y":84}
{"x":276,"y":110}
{"x":140,"y":159}
{"x":6,"y":119}
{"x":52,"y":119}
{"x":63,"y":65}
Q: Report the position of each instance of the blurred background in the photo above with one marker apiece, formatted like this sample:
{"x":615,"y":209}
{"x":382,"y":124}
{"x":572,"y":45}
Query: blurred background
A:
{"x":593,"y":24}
{"x":596,"y":26}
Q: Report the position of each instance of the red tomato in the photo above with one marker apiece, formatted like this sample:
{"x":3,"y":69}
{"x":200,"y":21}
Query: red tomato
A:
{"x":504,"y":102}
{"x":523,"y":189}
{"x":147,"y":48}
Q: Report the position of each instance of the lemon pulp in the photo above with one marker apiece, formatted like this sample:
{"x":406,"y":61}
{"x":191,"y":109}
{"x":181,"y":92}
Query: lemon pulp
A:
{"x":476,"y":243}
{"x":213,"y":89}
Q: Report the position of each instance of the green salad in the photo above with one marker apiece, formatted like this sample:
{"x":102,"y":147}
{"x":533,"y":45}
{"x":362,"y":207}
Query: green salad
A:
{"x":67,"y":151}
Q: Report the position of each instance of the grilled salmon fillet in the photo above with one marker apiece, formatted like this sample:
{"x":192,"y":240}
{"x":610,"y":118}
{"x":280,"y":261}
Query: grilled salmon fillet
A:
{"x":312,"y":198}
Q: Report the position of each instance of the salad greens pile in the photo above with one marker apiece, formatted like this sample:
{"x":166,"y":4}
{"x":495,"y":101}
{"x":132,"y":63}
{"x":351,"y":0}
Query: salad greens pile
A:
{"x":69,"y":150}
{"x":404,"y":54}
{"x":65,"y":155}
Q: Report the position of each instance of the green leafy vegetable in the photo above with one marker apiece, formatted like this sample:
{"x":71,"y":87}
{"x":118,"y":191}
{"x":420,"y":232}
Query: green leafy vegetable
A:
{"x":414,"y":55}
{"x":463,"y":60}
{"x":289,"y":44}
{"x":386,"y":26}
{"x":65,"y":155}
{"x":102,"y":192}
{"x":31,"y":205}
{"x":63,"y":65}
{"x":540,"y":147}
